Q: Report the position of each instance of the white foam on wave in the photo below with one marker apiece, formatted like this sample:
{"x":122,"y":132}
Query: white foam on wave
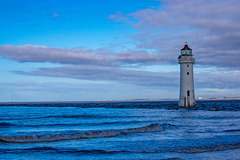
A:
{"x":88,"y":135}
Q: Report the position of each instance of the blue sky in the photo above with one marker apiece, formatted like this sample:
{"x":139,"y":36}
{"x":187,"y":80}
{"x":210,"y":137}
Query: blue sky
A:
{"x":109,"y":50}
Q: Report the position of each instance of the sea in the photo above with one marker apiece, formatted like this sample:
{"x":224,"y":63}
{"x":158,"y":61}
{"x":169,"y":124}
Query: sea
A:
{"x":148,"y":130}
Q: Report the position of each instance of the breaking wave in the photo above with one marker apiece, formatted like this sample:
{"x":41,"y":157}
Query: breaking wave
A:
{"x":93,"y":134}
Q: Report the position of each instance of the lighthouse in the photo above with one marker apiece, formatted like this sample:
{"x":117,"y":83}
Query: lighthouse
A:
{"x":186,"y":61}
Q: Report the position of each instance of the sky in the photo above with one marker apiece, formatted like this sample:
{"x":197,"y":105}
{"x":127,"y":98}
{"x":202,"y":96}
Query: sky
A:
{"x":90,"y":50}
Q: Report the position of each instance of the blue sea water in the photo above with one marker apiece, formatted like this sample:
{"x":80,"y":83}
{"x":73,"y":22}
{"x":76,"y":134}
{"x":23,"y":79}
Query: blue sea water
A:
{"x":120,"y":130}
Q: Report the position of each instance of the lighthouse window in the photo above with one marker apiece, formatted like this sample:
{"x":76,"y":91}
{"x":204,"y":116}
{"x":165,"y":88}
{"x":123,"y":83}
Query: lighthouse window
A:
{"x":187,"y":73}
{"x":188,"y":65}
{"x":188,"y":93}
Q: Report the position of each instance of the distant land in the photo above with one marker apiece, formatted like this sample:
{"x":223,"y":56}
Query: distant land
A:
{"x":220,"y":98}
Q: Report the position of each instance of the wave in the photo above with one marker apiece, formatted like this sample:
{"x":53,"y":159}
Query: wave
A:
{"x":184,"y":150}
{"x":232,"y":130}
{"x":85,"y":124}
{"x":4,"y":124}
{"x":99,"y":151}
{"x":72,"y":117}
{"x":93,"y":134}
{"x":208,"y":149}
{"x":213,"y":105}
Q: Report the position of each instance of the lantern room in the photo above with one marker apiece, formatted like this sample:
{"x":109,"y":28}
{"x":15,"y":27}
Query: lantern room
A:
{"x":186,"y":51}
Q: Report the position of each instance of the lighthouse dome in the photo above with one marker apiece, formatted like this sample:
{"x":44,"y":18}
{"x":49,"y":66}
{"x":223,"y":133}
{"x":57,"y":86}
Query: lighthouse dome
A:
{"x":185,"y":51}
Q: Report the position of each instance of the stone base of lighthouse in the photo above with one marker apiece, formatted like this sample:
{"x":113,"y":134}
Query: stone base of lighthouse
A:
{"x":187,"y":100}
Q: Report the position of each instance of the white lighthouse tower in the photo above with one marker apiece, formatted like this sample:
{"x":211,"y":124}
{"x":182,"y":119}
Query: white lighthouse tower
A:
{"x":186,"y":61}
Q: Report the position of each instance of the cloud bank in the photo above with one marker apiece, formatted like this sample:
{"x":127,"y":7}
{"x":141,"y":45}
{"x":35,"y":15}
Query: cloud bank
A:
{"x":31,"y":53}
{"x":211,"y":26}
